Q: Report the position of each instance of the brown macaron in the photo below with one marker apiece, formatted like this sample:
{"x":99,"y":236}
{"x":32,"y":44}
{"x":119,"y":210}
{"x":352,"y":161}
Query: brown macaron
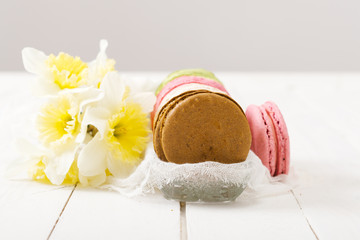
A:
{"x":201,"y":125}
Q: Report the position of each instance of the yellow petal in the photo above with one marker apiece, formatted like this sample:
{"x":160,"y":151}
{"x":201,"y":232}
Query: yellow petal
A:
{"x":67,"y":71}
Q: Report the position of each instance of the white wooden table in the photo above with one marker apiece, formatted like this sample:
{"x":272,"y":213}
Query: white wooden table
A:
{"x":322,"y":111}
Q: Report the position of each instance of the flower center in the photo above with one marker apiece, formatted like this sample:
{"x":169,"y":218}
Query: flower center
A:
{"x":57,"y":121}
{"x":119,"y":131}
{"x":68,"y":72}
{"x":128,"y":135}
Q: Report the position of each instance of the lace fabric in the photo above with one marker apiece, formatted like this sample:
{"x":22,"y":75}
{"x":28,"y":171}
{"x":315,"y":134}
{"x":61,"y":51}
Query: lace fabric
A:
{"x":200,"y":182}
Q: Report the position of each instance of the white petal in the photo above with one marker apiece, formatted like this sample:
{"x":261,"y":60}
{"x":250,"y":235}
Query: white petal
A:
{"x":34,"y":60}
{"x":103,"y":45}
{"x":139,"y":84}
{"x":119,"y":168}
{"x":92,"y":95}
{"x":98,"y":117}
{"x":101,"y":57}
{"x":146,"y":100}
{"x":58,"y":165}
{"x":114,"y":89}
{"x":92,"y":181}
{"x":85,"y":96}
{"x":92,"y":158}
{"x":96,"y":66}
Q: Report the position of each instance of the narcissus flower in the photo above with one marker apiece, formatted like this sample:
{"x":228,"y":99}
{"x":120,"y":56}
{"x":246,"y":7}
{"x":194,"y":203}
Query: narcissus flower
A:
{"x":58,"y":124}
{"x":122,"y":121}
{"x":56,"y":73}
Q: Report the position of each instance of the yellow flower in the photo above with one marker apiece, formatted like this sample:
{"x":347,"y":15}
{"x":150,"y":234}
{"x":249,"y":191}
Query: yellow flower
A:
{"x":58,"y":121}
{"x":128,"y":132}
{"x":37,"y":172}
{"x":67,"y":71}
{"x":122,"y":121}
{"x":59,"y":125}
{"x":56,"y":73}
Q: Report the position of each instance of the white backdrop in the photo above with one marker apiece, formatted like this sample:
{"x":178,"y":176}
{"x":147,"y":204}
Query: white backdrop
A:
{"x":247,"y":35}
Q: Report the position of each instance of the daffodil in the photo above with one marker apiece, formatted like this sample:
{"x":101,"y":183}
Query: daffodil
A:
{"x":58,"y":121}
{"x":58,"y":124}
{"x":63,"y":71}
{"x":122,"y":123}
{"x":55,"y":73}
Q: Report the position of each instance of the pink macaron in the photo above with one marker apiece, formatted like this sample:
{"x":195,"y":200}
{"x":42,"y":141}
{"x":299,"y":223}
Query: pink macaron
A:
{"x":270,"y":138}
{"x":180,"y":81}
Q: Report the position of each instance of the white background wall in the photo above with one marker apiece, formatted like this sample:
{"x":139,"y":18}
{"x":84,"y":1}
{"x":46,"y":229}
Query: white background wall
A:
{"x":247,"y":35}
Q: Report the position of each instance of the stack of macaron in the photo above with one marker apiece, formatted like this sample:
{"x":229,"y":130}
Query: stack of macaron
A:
{"x":195,"y":120}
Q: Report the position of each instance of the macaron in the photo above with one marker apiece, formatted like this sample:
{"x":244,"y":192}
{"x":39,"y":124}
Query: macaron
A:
{"x":270,"y":138}
{"x":187,"y":72}
{"x":195,"y":120}
{"x":183,"y":80}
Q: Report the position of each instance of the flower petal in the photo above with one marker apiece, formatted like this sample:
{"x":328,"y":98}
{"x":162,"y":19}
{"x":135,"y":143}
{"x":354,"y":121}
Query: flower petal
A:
{"x":58,"y":165}
{"x":92,"y":95}
{"x":84,"y":96}
{"x":100,"y":66}
{"x":114,"y":88}
{"x":98,"y":117}
{"x":92,"y":158}
{"x":34,"y":60}
{"x":92,"y":181}
{"x":120,"y":168}
{"x":146,"y":100}
{"x":44,"y":87}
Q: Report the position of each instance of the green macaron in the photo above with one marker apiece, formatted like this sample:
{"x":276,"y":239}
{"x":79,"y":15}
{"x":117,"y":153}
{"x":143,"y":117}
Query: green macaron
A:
{"x":187,"y":72}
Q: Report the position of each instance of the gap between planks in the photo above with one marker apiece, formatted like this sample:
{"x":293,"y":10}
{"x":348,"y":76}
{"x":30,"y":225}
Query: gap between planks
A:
{"x":302,"y":211}
{"x":183,"y":224}
{"x":63,"y":209}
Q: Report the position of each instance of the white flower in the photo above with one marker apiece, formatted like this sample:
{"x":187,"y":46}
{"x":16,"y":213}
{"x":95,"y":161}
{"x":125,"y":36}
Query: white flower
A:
{"x":56,"y":73}
{"x":59,"y":123}
{"x":121,"y":118}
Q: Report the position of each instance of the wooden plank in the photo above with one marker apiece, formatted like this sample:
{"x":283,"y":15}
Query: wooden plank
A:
{"x":329,"y":181}
{"x":321,"y":114}
{"x":277,"y":217}
{"x":97,"y":214}
{"x":28,"y":210}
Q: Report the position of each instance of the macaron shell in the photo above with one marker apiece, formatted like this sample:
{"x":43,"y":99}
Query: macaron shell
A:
{"x":178,"y":91}
{"x":160,"y":121}
{"x":263,"y":136}
{"x":187,"y":72}
{"x":282,"y":136}
{"x":186,"y":80}
{"x":205,"y":126}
